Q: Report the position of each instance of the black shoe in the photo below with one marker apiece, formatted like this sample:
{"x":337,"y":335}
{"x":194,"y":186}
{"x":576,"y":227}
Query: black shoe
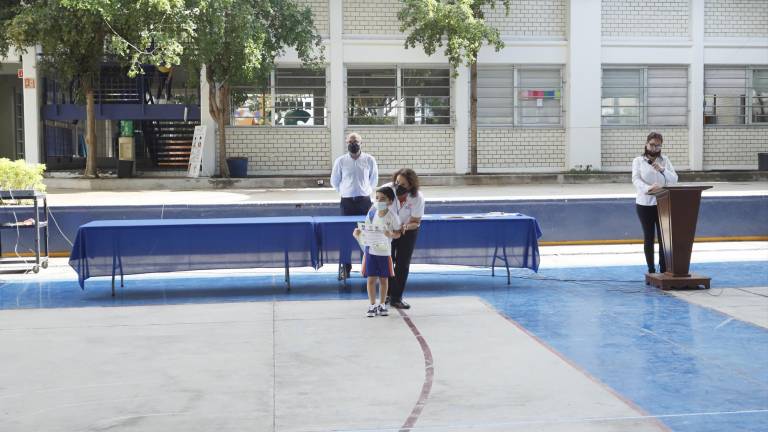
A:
{"x":387,"y":300}
{"x":651,"y":270}
{"x":399,"y":304}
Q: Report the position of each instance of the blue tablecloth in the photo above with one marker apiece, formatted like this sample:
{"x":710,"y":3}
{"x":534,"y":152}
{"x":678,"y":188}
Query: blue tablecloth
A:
{"x":471,"y":240}
{"x":121,"y":247}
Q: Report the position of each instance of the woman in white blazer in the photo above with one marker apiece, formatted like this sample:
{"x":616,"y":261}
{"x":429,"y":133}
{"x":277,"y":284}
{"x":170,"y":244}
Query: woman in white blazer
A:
{"x":651,"y":171}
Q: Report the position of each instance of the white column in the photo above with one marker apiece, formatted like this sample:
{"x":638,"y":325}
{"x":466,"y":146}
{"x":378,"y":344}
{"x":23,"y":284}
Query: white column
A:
{"x":696,"y":89}
{"x":461,"y":128}
{"x":583,"y":87}
{"x":337,"y":98}
{"x":31,"y":93}
{"x":210,"y":167}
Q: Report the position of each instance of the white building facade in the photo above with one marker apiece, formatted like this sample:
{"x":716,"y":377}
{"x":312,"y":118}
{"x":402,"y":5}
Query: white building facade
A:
{"x":579,"y":85}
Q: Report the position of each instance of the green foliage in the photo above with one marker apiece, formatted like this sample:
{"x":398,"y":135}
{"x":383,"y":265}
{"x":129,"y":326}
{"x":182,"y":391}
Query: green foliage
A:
{"x":239,"y":40}
{"x":373,"y":121}
{"x":19,"y":175}
{"x":75,"y":35}
{"x":459,"y":25}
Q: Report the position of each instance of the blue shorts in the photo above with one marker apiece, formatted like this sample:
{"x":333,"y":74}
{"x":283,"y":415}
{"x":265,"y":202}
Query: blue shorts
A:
{"x":377,"y":266}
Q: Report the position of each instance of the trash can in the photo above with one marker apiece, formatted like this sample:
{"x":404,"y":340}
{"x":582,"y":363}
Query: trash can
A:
{"x":124,"y":168}
{"x":125,"y":157}
{"x":762,"y":161}
{"x":238,"y":166}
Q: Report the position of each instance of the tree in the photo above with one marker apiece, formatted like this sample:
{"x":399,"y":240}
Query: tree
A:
{"x":460,"y":26}
{"x":75,"y":35}
{"x":238,"y":41}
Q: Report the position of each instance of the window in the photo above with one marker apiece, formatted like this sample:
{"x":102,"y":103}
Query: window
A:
{"x":294,"y":97}
{"x":640,"y":96}
{"x":392,"y":96}
{"x":760,"y":96}
{"x":495,"y":95}
{"x":508,"y":95}
{"x":372,"y":96}
{"x":427,"y":94}
{"x":538,"y":96}
{"x":735,"y":95}
{"x":622,"y":96}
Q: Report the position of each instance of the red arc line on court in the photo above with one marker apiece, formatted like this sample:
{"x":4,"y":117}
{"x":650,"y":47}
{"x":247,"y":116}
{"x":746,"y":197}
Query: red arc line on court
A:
{"x":429,"y":373}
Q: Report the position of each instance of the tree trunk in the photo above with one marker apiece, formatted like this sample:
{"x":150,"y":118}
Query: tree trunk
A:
{"x":218,"y":106}
{"x":222,"y":121}
{"x":90,"y":131}
{"x":473,"y":119}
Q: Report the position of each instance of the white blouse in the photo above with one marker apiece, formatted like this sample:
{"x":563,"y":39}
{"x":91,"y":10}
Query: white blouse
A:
{"x":412,"y":207}
{"x":644,"y":175}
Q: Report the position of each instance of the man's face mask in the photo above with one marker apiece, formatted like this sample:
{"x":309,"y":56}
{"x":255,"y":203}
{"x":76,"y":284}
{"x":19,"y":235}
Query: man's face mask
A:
{"x":353,"y":147}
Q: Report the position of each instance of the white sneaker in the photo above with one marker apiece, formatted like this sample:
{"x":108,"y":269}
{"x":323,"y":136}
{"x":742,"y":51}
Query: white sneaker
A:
{"x":371,"y":311}
{"x":383,"y":310}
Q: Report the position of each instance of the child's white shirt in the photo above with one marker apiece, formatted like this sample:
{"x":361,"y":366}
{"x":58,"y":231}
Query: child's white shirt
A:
{"x":388,"y":222}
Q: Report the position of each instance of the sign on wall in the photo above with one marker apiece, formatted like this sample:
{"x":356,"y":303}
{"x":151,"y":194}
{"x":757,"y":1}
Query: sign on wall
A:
{"x":29,"y":83}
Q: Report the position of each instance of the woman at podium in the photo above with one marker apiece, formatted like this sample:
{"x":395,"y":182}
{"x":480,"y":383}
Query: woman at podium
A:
{"x":651,"y":171}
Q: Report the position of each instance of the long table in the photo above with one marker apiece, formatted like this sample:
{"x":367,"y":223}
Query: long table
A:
{"x":471,"y":239}
{"x":110,"y":247}
{"x":123,"y":247}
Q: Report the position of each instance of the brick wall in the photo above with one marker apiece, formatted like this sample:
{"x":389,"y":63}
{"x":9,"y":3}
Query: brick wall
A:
{"x":620,"y":145}
{"x":507,"y":149}
{"x":320,"y":15}
{"x":371,"y":17}
{"x":428,"y":150}
{"x":734,"y":148}
{"x":648,"y":18}
{"x":735,"y":18}
{"x":282,"y":150}
{"x":547,"y":18}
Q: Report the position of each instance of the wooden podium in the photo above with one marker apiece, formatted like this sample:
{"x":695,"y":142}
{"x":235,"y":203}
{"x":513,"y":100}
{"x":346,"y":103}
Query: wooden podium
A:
{"x":678,"y":208}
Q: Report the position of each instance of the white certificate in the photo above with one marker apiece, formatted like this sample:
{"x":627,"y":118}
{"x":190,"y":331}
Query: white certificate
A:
{"x":371,"y":235}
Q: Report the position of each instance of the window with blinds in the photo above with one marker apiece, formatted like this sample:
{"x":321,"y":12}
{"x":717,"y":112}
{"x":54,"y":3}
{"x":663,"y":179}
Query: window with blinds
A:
{"x":647,"y":95}
{"x":519,"y":96}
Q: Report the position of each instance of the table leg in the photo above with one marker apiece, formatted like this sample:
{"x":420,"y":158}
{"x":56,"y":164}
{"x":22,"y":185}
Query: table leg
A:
{"x":506,"y":264}
{"x":493,"y":261}
{"x":287,"y":273}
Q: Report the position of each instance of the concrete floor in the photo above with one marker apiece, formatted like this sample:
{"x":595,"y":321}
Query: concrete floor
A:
{"x":291,"y":366}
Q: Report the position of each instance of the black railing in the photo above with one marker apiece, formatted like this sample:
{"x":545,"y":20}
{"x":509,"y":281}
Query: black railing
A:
{"x":116,"y":87}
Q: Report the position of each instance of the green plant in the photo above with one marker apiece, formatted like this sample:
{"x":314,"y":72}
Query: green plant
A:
{"x":19,"y":175}
{"x":580,"y":169}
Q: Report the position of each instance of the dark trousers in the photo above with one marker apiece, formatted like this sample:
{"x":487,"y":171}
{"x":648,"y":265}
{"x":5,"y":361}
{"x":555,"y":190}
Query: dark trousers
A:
{"x":402,"y":250}
{"x":355,"y":206}
{"x":649,"y":219}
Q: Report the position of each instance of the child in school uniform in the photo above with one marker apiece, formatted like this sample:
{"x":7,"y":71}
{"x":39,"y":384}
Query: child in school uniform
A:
{"x":377,"y":260}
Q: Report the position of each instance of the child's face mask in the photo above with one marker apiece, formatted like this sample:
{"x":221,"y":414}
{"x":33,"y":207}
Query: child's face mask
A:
{"x":381,"y":205}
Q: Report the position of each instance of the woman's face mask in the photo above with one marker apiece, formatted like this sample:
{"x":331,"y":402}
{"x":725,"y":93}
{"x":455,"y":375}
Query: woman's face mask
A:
{"x":401,"y":190}
{"x":653,"y":150}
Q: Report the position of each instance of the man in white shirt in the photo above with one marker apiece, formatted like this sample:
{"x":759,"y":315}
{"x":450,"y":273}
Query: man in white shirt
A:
{"x":355,"y":176}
